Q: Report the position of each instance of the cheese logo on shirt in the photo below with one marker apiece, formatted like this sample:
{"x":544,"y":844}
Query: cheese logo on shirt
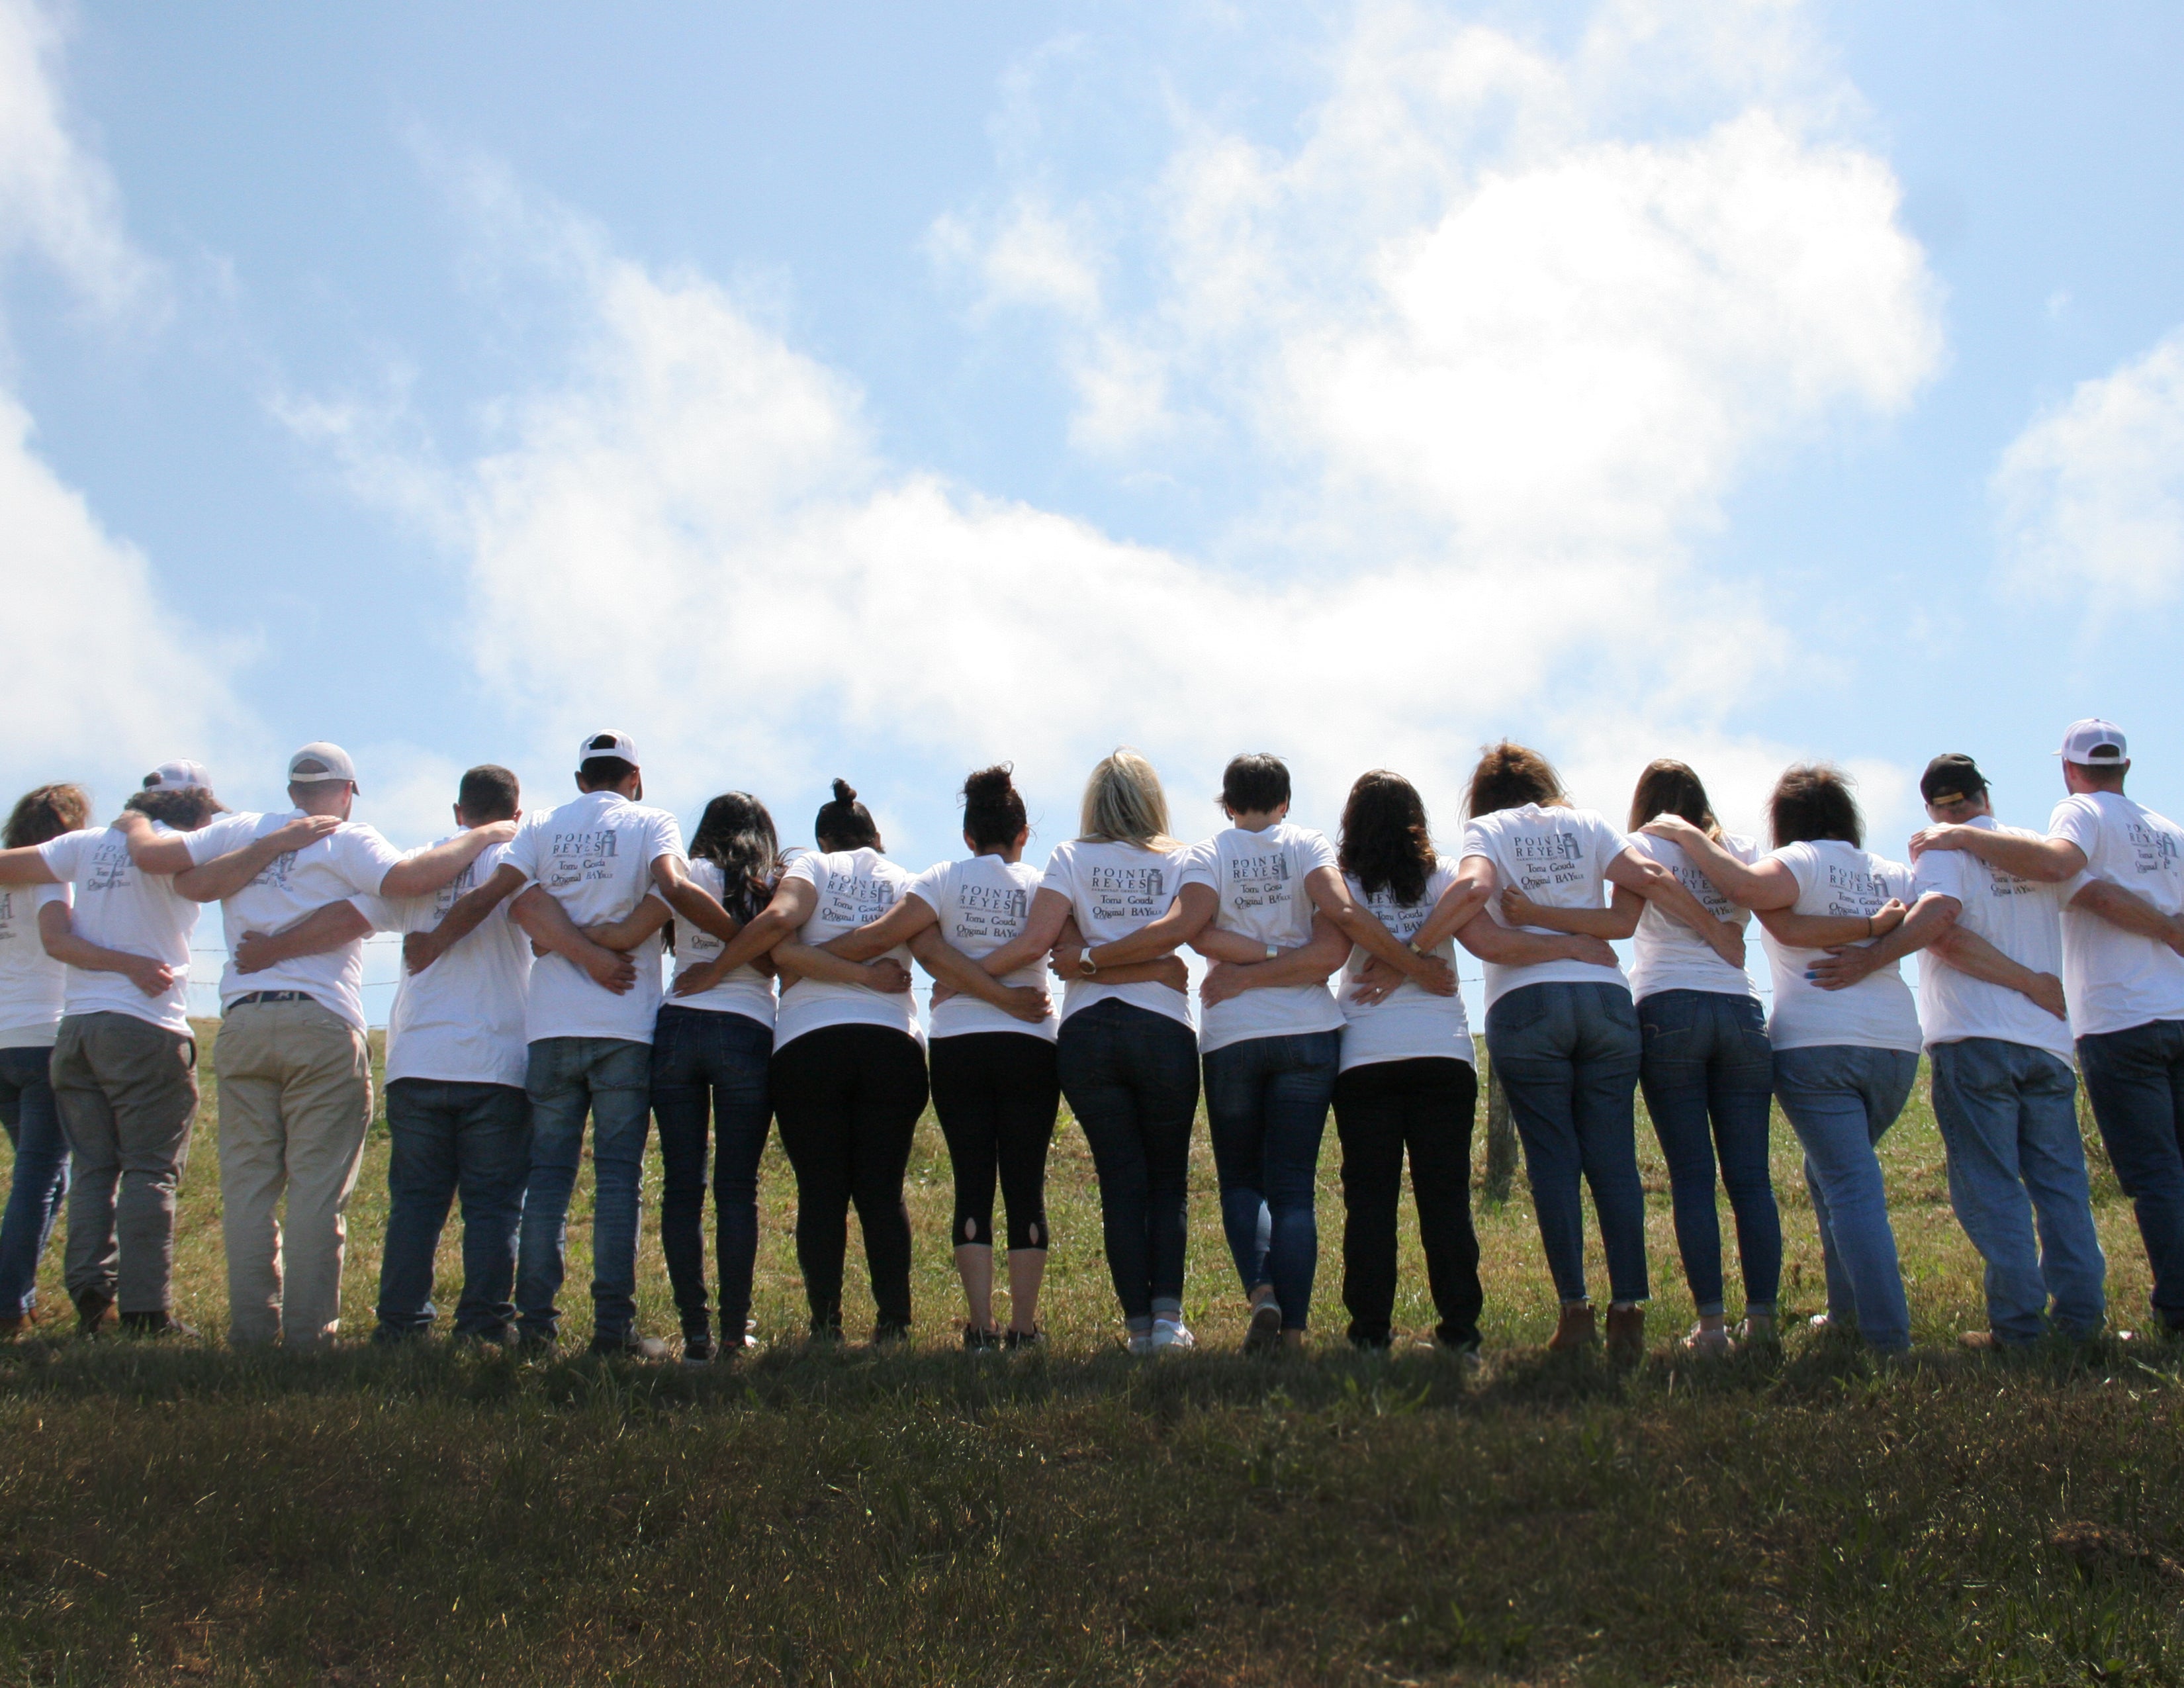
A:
{"x":581,"y":855}
{"x":1852,"y":894}
{"x":1257,"y":882}
{"x":993,"y":911}
{"x":109,"y":866}
{"x":855,"y":901}
{"x":454,"y":891}
{"x":2155,"y":850}
{"x":1127,"y":893}
{"x":275,"y":872}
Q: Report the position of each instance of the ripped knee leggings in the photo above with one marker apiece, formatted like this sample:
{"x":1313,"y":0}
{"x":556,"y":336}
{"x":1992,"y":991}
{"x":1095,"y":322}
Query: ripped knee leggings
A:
{"x":996,"y":1094}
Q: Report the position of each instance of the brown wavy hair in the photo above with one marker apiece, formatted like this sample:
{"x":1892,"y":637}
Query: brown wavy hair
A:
{"x":1668,"y":787}
{"x":1510,"y":775}
{"x":1813,"y":800}
{"x":1385,"y":843}
{"x":46,"y":813}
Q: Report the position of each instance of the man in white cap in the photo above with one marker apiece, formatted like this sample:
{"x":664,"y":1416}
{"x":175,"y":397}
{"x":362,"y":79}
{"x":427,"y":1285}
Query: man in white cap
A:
{"x":2123,"y":973}
{"x":593,"y":863}
{"x":294,"y":1069}
{"x":125,"y":1061}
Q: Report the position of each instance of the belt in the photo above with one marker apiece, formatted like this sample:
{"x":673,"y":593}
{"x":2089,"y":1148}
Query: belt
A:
{"x":272,"y":996}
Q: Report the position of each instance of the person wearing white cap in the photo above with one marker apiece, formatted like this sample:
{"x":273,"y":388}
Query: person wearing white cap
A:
{"x":125,"y":1061}
{"x":294,"y":1069}
{"x":2123,"y":975}
{"x":591,"y":865}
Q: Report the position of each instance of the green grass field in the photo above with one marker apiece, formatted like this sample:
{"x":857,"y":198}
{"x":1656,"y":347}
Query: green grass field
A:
{"x":179,"y":1514}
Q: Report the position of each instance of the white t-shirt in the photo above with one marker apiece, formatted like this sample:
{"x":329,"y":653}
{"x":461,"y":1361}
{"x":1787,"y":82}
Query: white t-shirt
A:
{"x":2116,"y":979}
{"x":350,"y":860}
{"x":2020,"y":917}
{"x":1114,"y":889}
{"x":1410,"y":1022}
{"x":855,"y":887}
{"x":982,"y":903}
{"x":746,"y":991}
{"x":595,"y":854}
{"x":1558,"y":857}
{"x":32,"y":983}
{"x":1667,"y":955}
{"x":461,"y":1020}
{"x":1259,"y":878}
{"x":1877,"y":1012}
{"x":120,"y":906}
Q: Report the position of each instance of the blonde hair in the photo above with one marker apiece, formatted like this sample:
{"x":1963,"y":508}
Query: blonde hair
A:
{"x":1124,"y":803}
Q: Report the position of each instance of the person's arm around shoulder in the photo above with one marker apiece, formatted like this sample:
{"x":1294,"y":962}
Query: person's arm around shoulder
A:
{"x":424,"y":871}
{"x":2050,"y":860}
{"x":1971,"y":955}
{"x":27,"y":865}
{"x":538,"y":912}
{"x":1330,"y":896}
{"x":1640,"y":874}
{"x":420,"y":949}
{"x":1312,"y":962}
{"x":911,"y":916}
{"x":220,"y":877}
{"x":672,"y":883}
{"x":1768,"y":883}
{"x":2127,"y":910}
{"x":324,"y":928}
{"x":1932,"y":916}
{"x":151,"y":851}
{"x":57,"y":934}
{"x":793,"y":900}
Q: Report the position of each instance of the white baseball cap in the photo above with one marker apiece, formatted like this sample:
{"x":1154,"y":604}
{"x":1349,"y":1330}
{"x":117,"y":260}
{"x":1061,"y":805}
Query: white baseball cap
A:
{"x":2094,"y":743}
{"x":319,"y":762}
{"x":608,"y":744}
{"x":182,"y":776}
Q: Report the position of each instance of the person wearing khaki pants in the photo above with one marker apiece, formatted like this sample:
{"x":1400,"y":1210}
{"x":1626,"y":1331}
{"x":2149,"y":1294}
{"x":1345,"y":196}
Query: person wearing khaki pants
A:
{"x":295,"y":1102}
{"x":295,"y":1076}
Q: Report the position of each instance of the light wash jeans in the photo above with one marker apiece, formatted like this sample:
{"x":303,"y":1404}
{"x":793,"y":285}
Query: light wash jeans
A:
{"x":2010,"y":1119}
{"x":1841,"y":1099}
{"x":610,"y":1078}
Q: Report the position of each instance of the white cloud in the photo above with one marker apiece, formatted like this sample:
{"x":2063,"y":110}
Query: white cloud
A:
{"x":105,"y":679}
{"x":2091,"y":496}
{"x":1495,"y":363}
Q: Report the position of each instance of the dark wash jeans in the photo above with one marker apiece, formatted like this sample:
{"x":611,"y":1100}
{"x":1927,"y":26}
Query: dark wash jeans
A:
{"x":1131,"y":1077}
{"x":1568,"y":1055}
{"x":33,"y":1121}
{"x":2135,"y":1081}
{"x":610,"y":1079}
{"x":1266,"y":1107}
{"x":449,"y":1137}
{"x":1425,"y":1106}
{"x":709,"y":1067}
{"x":1708,"y":1075}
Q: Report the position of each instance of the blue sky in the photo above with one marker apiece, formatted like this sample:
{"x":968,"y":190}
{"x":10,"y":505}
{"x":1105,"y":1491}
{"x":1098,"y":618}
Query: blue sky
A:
{"x":880,"y":390}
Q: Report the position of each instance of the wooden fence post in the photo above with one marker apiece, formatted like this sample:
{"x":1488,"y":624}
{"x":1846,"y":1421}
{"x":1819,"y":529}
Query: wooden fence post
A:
{"x":1501,"y":1139}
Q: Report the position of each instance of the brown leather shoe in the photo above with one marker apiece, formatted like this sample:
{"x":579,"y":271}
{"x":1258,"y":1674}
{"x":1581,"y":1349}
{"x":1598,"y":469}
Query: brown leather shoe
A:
{"x":1573,"y":1331}
{"x":1626,"y":1335}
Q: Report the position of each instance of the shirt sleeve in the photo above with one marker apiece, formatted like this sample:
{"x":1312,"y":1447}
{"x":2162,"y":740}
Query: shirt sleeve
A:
{"x":931,"y":887}
{"x":43,"y":894}
{"x":666,"y":840}
{"x":1798,"y":859}
{"x":523,"y":852}
{"x":2077,"y":822}
{"x":386,"y":914}
{"x":1474,"y":842}
{"x":1199,"y":865}
{"x":1318,"y":852}
{"x":1607,"y":843}
{"x":362,"y":856}
{"x":218,"y":837}
{"x":804,"y":867}
{"x":1939,"y":871}
{"x":1059,"y":876}
{"x":64,"y":855}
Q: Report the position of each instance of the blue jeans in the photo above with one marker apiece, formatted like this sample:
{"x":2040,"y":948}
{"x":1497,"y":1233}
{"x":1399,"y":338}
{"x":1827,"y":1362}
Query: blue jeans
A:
{"x":2009,"y":1120}
{"x":709,"y":1068}
{"x":1266,"y":1107}
{"x":33,"y":1121}
{"x":1841,"y":1099}
{"x":1131,"y":1077}
{"x":447,"y":1137}
{"x":610,"y":1078}
{"x":1708,"y":1075}
{"x":1569,"y":1056}
{"x":2135,"y":1080}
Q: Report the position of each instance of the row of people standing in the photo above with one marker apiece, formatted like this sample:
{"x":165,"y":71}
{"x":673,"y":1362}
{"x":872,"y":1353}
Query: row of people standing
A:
{"x":1275,"y":908}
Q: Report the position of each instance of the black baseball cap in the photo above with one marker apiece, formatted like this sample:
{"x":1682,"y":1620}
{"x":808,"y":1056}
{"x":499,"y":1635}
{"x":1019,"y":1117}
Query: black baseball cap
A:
{"x":1951,"y":778}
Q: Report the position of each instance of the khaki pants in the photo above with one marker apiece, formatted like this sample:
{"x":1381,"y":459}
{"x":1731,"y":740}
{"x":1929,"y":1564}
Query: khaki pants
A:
{"x":295,"y":1102}
{"x":127,"y":1091}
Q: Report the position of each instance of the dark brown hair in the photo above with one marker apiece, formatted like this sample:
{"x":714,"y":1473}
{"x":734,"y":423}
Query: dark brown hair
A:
{"x":45,"y":814}
{"x":1385,"y":843}
{"x":1813,"y":800}
{"x":737,"y":834}
{"x":1668,"y":787}
{"x":185,"y":808}
{"x":845,"y":823}
{"x":993,"y":809}
{"x":1255,"y":784}
{"x":489,"y":792}
{"x":1508,"y":777}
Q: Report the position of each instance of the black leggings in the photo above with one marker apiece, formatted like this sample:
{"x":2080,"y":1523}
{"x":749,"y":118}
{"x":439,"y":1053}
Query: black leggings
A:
{"x":997,"y":1094}
{"x":848,"y":1099}
{"x":1381,"y":1109}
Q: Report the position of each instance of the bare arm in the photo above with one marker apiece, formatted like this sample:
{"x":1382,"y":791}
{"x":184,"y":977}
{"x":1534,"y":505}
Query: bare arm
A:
{"x":1189,"y":915}
{"x":1618,"y":920}
{"x":799,"y":962}
{"x":1309,"y":963}
{"x":424,"y":871}
{"x":1970,"y":953}
{"x":1831,"y":931}
{"x":1473,"y":889}
{"x":225,"y":875}
{"x":1843,"y":967}
{"x":909,"y":916}
{"x":793,"y":900}
{"x":956,"y":973}
{"x":420,"y":949}
{"x":2131,"y":912}
{"x":57,"y":933}
{"x":157,"y":852}
{"x":1763,"y":885}
{"x":1331,"y":897}
{"x":625,"y":934}
{"x":25,"y":867}
{"x":1631,"y":871}
{"x":693,"y":901}
{"x":1049,"y":913}
{"x":326,"y":928}
{"x":539,"y":913}
{"x":1172,"y":971}
{"x":2050,"y":860}
{"x":1505,"y":946}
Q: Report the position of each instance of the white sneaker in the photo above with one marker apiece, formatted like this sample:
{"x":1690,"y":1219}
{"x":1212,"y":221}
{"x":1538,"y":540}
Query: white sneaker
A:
{"x":1139,"y":1342}
{"x":1172,"y":1333}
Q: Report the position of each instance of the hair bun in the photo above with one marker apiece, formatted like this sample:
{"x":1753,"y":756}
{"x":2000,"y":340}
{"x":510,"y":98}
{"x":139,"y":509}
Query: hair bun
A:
{"x":844,"y":792}
{"x":989,"y":785}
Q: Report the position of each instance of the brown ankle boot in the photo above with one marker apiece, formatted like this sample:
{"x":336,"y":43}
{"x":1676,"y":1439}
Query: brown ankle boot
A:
{"x":1573,"y":1331}
{"x":1626,"y":1335}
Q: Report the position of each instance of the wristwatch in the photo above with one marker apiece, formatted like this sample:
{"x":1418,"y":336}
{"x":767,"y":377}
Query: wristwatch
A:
{"x":1273,"y":951}
{"x":1411,"y":945}
{"x":1086,"y":966}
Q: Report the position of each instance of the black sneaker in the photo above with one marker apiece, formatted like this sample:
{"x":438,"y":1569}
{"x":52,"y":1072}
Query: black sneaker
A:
{"x":1014,"y":1340}
{"x":1263,"y":1335}
{"x":977,"y":1340}
{"x":158,"y":1324}
{"x":698,"y":1350}
{"x":891,"y":1336}
{"x":92,"y":1307}
{"x":630,"y":1347}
